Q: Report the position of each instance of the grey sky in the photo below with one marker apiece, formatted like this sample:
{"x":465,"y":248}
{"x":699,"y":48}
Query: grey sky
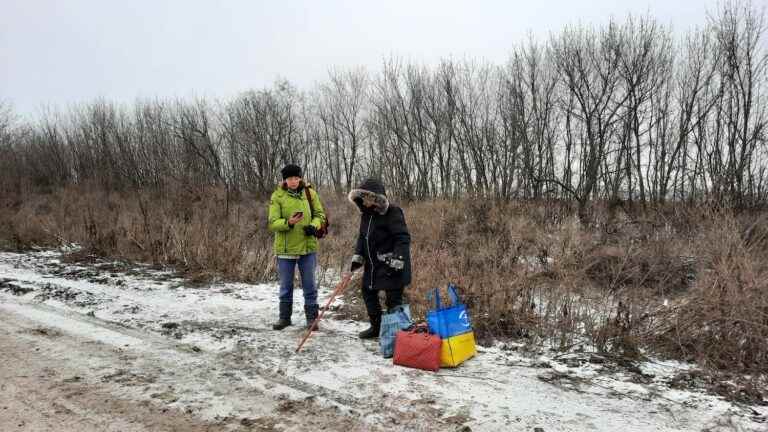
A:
{"x":64,"y":52}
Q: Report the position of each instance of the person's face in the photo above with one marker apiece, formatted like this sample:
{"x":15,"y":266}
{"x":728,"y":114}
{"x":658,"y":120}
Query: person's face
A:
{"x":369,"y":200}
{"x":293,"y":182}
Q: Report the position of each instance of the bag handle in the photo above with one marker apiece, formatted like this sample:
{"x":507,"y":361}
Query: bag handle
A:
{"x":453,"y":294}
{"x":418,"y":328}
{"x":434,"y":295}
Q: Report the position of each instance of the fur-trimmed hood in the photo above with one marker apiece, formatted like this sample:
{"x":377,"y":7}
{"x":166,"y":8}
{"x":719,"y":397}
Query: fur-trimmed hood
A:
{"x":381,"y":202}
{"x":373,"y":190}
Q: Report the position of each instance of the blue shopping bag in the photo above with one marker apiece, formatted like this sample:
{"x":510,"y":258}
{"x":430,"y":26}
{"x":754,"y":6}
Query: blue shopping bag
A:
{"x":397,"y":318}
{"x":450,"y":320}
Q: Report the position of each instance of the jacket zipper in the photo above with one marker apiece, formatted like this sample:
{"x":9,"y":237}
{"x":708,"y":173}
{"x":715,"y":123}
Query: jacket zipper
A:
{"x":285,"y":237}
{"x":368,"y":244}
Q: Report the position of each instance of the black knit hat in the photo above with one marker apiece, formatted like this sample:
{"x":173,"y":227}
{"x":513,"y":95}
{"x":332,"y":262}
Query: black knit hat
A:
{"x":373,"y":185}
{"x":291,"y":171}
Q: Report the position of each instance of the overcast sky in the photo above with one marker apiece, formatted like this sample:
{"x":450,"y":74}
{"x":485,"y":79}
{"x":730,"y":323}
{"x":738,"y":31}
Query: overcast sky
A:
{"x":58,"y":53}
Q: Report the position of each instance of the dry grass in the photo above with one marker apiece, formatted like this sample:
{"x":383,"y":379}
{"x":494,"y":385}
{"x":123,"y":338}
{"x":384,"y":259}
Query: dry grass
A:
{"x":723,"y":320}
{"x":526,"y":269}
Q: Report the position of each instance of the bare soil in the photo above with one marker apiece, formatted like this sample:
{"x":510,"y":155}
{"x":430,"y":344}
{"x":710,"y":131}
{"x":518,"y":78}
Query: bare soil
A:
{"x":48,"y":384}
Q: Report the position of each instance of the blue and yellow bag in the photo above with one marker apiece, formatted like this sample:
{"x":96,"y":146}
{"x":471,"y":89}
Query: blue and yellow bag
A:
{"x":452,"y":324}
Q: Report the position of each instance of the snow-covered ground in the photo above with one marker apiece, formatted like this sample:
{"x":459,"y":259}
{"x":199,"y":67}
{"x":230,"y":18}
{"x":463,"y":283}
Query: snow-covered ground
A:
{"x":225,"y":330}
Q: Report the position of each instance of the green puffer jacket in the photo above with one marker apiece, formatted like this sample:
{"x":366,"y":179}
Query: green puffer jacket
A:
{"x":283,"y":204}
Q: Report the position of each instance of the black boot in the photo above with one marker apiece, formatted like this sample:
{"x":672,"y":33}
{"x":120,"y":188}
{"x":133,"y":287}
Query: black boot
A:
{"x":372,"y":331}
{"x":310,"y":311}
{"x":285,"y":316}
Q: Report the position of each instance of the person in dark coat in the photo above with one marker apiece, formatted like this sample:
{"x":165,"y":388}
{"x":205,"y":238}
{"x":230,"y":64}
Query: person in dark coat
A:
{"x":383,"y":250}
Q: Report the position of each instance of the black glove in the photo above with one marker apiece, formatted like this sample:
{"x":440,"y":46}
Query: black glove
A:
{"x":310,"y":230}
{"x":357,"y":262}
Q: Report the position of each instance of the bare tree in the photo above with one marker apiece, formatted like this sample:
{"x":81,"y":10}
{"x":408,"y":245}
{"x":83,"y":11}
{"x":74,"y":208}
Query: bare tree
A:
{"x":261,"y":134}
{"x":529,"y":120}
{"x":645,"y":66}
{"x":589,"y":62}
{"x":342,"y":110}
{"x":741,"y":115}
{"x":10,"y":176}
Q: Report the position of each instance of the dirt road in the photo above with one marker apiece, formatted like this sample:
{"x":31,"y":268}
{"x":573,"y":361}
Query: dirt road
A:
{"x":57,"y":381}
{"x":42,"y":391}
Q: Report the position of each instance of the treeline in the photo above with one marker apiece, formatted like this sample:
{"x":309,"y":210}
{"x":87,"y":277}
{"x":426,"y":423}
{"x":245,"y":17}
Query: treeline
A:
{"x":627,"y":110}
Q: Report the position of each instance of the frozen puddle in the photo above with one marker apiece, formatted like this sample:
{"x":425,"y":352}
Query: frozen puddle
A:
{"x":224,"y":330}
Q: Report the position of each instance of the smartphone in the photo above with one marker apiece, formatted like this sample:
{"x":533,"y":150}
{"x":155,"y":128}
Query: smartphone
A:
{"x":298,"y":214}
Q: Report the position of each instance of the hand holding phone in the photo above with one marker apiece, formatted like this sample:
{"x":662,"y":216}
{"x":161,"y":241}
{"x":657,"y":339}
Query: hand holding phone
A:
{"x":298,"y":216}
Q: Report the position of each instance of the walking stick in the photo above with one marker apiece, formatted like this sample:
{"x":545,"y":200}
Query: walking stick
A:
{"x":339,"y":288}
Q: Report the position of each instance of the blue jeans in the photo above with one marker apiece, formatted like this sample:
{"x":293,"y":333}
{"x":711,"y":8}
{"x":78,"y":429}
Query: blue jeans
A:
{"x":286,"y":268}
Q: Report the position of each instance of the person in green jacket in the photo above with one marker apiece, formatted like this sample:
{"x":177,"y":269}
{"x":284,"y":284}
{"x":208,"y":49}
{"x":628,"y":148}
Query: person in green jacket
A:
{"x":295,"y":224}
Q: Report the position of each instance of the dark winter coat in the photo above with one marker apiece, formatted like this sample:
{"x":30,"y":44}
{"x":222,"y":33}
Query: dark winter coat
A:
{"x":383,"y":235}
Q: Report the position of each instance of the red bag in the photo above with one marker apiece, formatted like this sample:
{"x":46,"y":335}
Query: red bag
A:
{"x":417,"y":348}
